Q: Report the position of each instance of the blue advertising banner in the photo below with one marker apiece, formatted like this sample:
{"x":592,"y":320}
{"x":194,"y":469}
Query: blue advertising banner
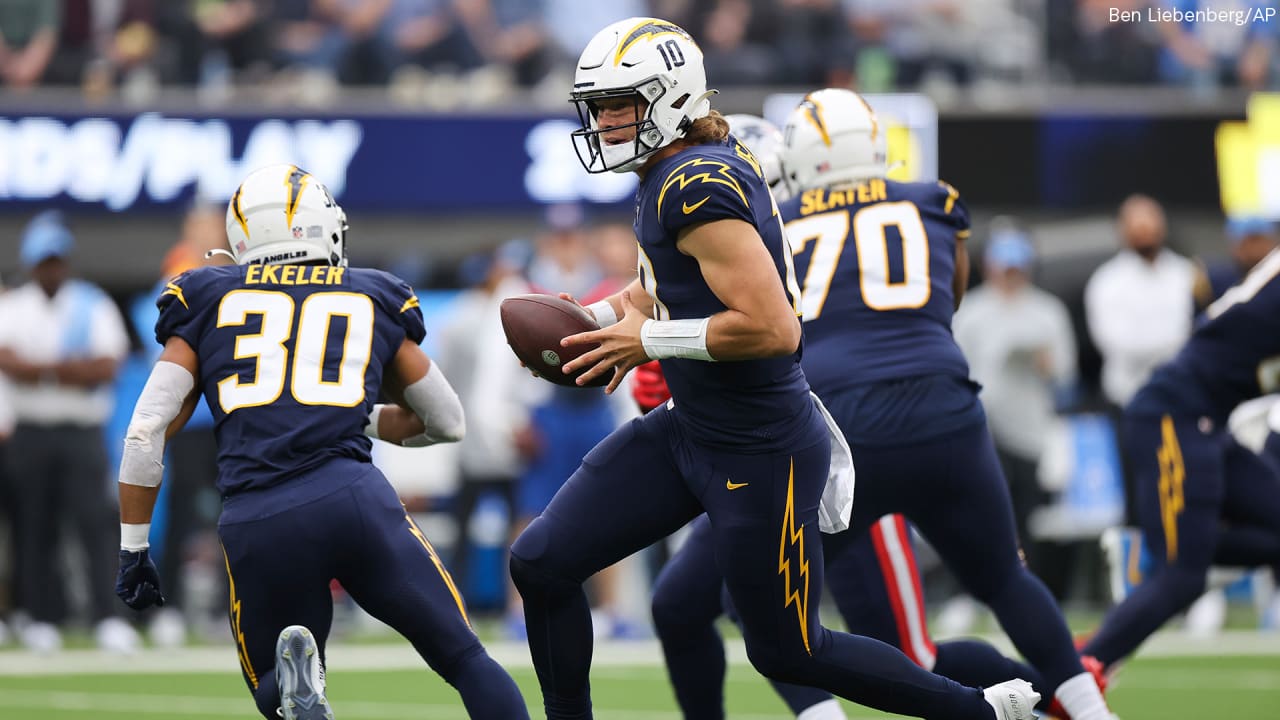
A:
{"x":378,"y":163}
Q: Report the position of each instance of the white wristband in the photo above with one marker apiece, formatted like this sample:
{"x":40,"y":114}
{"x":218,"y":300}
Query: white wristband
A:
{"x":603,"y":312}
{"x":676,"y":339}
{"x":135,"y":536}
{"x":371,"y":430}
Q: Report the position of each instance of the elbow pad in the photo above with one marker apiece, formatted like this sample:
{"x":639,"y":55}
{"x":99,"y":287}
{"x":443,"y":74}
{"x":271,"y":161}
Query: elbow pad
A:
{"x":142,"y":462}
{"x":433,"y":400}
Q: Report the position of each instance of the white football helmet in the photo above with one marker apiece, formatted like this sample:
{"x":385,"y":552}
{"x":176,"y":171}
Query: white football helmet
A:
{"x":649,"y":60}
{"x":764,"y":140}
{"x":282,"y":214}
{"x":833,"y":136}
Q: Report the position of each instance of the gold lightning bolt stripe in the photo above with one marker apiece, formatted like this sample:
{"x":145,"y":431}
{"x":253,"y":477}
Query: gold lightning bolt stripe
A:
{"x":176,"y":291}
{"x":1172,"y":474}
{"x":813,"y":113}
{"x":295,"y":181}
{"x":238,"y":213}
{"x":797,"y":593}
{"x":875,"y":124}
{"x":412,"y":302}
{"x":722,"y":176}
{"x":444,"y":574}
{"x":236,"y":633}
{"x":649,"y":27}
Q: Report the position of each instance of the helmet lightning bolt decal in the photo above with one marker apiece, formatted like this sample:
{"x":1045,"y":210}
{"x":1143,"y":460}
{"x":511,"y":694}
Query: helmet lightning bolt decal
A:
{"x":813,"y":113}
{"x":296,"y":180}
{"x":238,"y":213}
{"x":680,"y":178}
{"x":797,"y":593}
{"x":650,"y":27}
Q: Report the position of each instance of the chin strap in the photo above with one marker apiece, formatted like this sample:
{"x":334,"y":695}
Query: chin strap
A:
{"x":219,"y":251}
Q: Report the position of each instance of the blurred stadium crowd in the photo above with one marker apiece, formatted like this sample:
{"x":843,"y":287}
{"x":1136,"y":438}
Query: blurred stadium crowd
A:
{"x":427,"y":51}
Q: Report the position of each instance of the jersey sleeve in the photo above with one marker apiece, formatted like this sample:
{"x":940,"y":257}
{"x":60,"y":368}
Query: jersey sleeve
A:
{"x":181,"y":312}
{"x":402,"y":302}
{"x":703,"y":189}
{"x":954,"y":212}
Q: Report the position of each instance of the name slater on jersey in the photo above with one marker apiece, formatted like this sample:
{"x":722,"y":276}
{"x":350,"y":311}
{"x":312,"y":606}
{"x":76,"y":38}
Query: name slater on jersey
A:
{"x":823,"y":199}
{"x":293,"y":275}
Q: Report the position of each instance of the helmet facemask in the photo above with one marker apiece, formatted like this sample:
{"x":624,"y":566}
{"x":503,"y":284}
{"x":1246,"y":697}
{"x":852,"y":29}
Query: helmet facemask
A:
{"x":598,"y":156}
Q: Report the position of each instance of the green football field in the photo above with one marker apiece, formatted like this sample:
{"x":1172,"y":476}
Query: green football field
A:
{"x":629,"y":685}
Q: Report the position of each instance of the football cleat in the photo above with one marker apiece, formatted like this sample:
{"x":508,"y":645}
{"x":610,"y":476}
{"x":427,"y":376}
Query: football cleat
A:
{"x":1012,"y":700}
{"x":300,"y":676}
{"x":1094,"y":667}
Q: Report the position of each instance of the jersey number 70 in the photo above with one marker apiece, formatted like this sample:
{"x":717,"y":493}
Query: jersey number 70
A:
{"x":271,"y":357}
{"x":830,"y":230}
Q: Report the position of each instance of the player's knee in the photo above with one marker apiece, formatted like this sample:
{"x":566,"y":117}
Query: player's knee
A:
{"x":778,"y":664}
{"x":1183,"y":584}
{"x":535,"y":579}
{"x":670,"y":615}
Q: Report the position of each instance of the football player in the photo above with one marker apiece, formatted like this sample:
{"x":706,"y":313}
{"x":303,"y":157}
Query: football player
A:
{"x":743,"y":439}
{"x":1203,"y":499}
{"x":290,"y":348}
{"x":876,"y":585}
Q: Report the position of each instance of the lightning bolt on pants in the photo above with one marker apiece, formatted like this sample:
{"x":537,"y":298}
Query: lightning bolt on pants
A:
{"x":1202,"y":500}
{"x":645,"y":481}
{"x":281,"y":564}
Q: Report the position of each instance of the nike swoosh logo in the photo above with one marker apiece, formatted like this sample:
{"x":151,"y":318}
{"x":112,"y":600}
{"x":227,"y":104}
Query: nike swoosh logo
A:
{"x":690,"y":208}
{"x":733,"y":485}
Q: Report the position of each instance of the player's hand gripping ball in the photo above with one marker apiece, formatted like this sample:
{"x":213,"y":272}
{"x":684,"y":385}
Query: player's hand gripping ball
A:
{"x":535,"y":324}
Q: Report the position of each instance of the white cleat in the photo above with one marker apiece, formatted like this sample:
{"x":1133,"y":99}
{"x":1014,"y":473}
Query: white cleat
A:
{"x":1012,"y":700}
{"x":300,"y":677}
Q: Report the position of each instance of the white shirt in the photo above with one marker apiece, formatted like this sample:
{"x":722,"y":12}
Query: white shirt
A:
{"x":80,"y":321}
{"x":1001,"y":336}
{"x":1139,"y":313}
{"x":496,"y":393}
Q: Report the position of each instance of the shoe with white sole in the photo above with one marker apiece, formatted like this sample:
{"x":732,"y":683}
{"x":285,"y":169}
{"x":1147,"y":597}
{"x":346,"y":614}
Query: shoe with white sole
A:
{"x":1012,"y":700}
{"x":300,"y":676}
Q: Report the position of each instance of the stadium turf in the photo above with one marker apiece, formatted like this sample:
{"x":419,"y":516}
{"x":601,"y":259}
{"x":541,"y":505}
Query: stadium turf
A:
{"x":1161,"y":688}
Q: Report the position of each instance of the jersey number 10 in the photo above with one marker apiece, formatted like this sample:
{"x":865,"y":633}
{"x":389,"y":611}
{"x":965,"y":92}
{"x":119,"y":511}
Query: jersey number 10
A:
{"x":271,"y":357}
{"x":830,"y":230}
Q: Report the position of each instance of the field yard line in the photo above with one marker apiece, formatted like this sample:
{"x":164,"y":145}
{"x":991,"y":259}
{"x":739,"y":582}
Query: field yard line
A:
{"x":198,"y":705}
{"x":400,"y":656}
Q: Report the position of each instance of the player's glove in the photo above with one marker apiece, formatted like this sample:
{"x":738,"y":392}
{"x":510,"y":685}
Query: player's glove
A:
{"x":649,"y":386}
{"x":138,"y":582}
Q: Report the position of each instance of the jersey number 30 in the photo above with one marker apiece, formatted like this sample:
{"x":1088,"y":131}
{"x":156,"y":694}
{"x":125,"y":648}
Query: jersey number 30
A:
{"x":828,"y":231}
{"x":271,"y":357}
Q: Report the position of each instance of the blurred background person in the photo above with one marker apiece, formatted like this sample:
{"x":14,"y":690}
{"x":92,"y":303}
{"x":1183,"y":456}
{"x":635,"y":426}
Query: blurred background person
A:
{"x":1249,"y":239}
{"x":105,"y":42}
{"x":1209,"y":53}
{"x":60,"y":346}
{"x":1021,"y":348}
{"x":496,"y":396}
{"x":28,"y":39}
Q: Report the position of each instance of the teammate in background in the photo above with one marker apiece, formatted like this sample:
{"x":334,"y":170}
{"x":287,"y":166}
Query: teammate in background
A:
{"x":744,"y":440}
{"x":875,"y":585}
{"x":884,"y":267}
{"x":1202,"y":498}
{"x":290,"y":349}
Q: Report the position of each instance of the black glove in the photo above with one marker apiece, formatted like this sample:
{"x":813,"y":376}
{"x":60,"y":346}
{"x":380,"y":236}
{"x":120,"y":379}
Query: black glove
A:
{"x":138,"y":582}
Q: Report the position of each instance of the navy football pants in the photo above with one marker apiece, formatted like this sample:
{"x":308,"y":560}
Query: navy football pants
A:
{"x":875,"y":586}
{"x":280,"y":568}
{"x":1202,"y":500}
{"x":646,"y":480}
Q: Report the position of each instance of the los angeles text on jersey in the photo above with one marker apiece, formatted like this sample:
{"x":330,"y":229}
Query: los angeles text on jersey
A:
{"x":824,"y":199}
{"x":293,"y":275}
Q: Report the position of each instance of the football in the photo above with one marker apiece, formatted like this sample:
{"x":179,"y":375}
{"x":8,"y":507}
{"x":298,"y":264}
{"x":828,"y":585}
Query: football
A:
{"x":535,"y":324}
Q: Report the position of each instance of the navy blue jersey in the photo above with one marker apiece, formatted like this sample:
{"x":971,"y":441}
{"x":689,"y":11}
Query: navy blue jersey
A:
{"x":1232,"y":356}
{"x":750,"y":404}
{"x":878,"y":262}
{"x":291,"y":360}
